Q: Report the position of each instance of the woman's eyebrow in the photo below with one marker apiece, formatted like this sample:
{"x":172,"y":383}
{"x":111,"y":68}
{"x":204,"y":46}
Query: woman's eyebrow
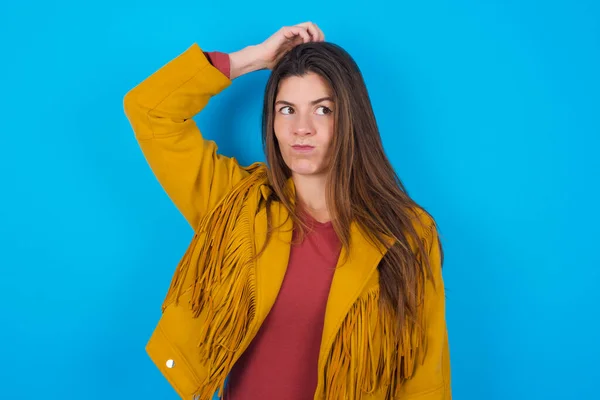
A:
{"x":287,"y":103}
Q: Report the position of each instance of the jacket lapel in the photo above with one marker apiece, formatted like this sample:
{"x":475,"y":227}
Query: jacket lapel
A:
{"x":272,"y":264}
{"x":349,"y":280}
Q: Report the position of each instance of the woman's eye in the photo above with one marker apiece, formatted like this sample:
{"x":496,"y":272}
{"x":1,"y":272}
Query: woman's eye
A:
{"x":286,"y":110}
{"x":322,"y":110}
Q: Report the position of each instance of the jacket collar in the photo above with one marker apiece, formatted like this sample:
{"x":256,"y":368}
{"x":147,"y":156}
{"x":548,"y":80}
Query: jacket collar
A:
{"x":350,"y":277}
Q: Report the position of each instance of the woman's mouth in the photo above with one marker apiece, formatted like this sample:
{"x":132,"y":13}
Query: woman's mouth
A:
{"x":302,"y":148}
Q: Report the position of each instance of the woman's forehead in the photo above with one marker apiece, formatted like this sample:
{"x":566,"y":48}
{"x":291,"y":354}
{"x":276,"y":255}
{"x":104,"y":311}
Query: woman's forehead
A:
{"x":305,"y":88}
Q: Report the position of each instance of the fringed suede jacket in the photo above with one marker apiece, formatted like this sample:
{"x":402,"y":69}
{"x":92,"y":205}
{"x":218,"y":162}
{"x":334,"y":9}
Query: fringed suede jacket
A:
{"x":219,"y":296}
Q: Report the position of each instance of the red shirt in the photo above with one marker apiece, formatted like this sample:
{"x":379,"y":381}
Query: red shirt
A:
{"x":281,"y":362}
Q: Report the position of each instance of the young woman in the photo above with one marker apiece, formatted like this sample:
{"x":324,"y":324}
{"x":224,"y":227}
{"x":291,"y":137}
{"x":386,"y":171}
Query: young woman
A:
{"x":314,"y":275}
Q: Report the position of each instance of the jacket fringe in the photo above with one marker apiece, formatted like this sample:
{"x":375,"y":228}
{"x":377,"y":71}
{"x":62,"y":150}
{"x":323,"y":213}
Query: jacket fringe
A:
{"x":223,"y":285}
{"x":223,"y":282}
{"x":355,"y":367}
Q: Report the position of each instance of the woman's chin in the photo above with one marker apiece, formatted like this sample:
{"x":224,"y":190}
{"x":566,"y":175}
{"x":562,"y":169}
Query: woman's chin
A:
{"x":303,"y":167}
{"x":305,"y":170}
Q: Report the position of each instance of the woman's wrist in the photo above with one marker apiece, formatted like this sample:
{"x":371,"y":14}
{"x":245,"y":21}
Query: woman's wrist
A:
{"x":244,"y":61}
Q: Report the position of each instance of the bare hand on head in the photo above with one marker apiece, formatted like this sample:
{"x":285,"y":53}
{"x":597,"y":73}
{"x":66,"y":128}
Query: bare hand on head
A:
{"x":282,"y":41}
{"x":266,"y":54}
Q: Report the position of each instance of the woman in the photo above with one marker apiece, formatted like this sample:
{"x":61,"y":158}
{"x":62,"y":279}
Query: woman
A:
{"x":311,"y":276}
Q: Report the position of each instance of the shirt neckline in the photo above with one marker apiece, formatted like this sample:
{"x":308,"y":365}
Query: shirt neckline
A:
{"x":312,"y":221}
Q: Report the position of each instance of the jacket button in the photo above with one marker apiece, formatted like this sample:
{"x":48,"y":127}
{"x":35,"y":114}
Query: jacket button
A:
{"x":170,"y":363}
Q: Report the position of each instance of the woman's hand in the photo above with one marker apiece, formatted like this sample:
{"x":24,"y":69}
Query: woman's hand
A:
{"x":266,"y":54}
{"x":285,"y":39}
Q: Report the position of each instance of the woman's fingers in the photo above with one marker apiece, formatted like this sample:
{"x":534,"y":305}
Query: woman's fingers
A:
{"x":308,"y":31}
{"x":316,"y":33}
{"x":293,"y":31}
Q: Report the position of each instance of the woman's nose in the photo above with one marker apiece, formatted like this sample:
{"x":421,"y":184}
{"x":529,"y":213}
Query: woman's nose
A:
{"x":303,"y":125}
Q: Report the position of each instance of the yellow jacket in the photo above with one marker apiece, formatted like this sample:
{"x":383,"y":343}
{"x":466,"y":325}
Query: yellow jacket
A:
{"x":219,"y":297}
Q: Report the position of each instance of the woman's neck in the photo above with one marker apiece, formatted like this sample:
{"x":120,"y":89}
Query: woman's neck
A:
{"x":311,"y":193}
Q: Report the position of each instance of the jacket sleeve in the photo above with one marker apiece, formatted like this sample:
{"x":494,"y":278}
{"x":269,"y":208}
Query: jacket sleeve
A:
{"x":431,"y":379}
{"x":160,"y":111}
{"x":220,"y":61}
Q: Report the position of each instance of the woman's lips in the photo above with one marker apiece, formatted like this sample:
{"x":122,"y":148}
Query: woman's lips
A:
{"x":303,"y":149}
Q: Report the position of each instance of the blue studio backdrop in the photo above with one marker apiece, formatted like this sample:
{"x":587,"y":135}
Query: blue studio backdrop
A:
{"x":489,"y":111}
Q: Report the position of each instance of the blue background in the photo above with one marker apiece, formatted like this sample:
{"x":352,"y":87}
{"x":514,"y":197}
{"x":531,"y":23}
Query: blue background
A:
{"x":488,"y":110}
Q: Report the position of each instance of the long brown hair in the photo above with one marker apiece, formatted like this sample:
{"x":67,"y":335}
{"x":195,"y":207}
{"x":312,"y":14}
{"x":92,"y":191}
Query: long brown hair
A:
{"x":362,"y":185}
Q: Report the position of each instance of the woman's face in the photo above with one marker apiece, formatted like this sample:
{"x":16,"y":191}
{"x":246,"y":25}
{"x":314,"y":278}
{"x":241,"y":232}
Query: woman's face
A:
{"x":304,"y":123}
